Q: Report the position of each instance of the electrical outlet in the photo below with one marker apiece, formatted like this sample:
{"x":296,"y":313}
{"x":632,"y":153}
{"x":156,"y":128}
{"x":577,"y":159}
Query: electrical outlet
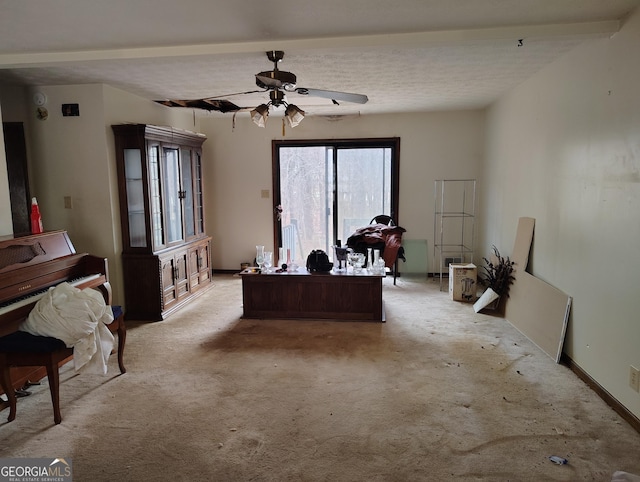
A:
{"x":67,"y":202}
{"x":634,"y":378}
{"x":264,"y":193}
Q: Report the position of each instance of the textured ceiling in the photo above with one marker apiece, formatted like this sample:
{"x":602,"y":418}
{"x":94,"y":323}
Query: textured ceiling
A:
{"x":406,"y":55}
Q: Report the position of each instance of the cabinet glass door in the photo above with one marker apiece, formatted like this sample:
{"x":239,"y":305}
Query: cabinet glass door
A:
{"x":135,"y":198}
{"x":187,"y":191}
{"x":199,"y":201}
{"x":155,"y":193}
{"x":172,"y":195}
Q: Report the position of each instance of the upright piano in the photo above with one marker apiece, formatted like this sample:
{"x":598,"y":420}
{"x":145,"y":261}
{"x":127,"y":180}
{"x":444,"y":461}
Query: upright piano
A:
{"x":29,"y":266}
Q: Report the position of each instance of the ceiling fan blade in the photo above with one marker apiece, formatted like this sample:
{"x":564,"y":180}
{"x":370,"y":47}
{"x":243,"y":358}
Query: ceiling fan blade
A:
{"x":269,"y":82}
{"x":219,"y":105}
{"x":276,"y":79}
{"x":234,"y":94}
{"x":330,"y":94}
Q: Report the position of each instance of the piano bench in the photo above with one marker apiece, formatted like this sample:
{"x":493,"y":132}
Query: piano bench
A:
{"x":22,"y":349}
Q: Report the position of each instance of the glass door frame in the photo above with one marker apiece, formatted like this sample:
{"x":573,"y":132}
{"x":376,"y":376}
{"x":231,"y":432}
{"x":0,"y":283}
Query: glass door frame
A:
{"x":392,"y":143}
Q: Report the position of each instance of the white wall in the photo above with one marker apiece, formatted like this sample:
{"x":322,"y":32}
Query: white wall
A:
{"x":564,"y":148}
{"x":68,"y":158}
{"x":238,"y":166}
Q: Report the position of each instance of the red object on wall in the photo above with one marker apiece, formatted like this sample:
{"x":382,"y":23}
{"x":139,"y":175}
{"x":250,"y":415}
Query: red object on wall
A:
{"x":36,"y":218}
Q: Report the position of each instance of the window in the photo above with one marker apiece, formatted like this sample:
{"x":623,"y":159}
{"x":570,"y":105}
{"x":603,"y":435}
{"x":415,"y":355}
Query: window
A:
{"x":328,"y":189}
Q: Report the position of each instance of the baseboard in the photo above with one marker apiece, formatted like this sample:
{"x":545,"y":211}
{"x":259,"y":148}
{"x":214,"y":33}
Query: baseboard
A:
{"x":601,"y":392}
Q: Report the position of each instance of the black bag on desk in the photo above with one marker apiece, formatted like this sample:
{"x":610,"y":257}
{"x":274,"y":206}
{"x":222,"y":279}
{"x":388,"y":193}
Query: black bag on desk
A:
{"x":318,"y":261}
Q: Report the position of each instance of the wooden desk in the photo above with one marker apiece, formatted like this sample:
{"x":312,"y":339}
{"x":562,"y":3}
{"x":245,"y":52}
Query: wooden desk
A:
{"x":330,"y":296}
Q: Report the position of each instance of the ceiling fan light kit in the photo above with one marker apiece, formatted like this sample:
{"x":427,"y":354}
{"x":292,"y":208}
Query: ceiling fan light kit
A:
{"x":294,"y":115}
{"x":277,"y":83}
{"x":259,"y":115}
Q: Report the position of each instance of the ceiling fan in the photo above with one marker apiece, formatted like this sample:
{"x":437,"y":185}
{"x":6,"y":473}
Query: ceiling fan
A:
{"x":277,"y":83}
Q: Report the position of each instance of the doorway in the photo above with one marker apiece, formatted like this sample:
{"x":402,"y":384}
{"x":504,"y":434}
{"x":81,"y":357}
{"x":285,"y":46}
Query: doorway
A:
{"x":324,"y":190}
{"x":17,"y":174}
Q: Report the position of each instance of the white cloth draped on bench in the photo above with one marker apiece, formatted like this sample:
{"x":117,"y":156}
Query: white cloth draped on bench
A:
{"x":78,"y":318}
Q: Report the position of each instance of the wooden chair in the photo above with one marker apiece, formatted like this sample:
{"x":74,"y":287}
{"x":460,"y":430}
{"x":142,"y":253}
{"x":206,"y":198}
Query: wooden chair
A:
{"x":21,"y":349}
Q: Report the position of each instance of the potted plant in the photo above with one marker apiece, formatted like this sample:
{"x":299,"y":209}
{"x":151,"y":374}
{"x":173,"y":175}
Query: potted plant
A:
{"x":497,"y":276}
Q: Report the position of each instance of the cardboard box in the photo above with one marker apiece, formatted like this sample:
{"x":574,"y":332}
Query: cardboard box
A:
{"x":463,"y":281}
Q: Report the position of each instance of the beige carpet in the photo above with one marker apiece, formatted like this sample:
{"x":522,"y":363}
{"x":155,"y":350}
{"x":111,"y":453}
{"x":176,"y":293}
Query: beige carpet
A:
{"x":436,"y":393}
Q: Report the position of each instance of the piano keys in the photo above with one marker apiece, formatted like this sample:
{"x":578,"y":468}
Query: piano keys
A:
{"x":11,"y":305}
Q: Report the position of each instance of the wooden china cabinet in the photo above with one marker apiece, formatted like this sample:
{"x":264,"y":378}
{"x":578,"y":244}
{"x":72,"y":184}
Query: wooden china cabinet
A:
{"x":166,"y":254}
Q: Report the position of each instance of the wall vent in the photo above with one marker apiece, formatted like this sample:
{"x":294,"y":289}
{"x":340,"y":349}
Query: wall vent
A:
{"x":448,"y":261}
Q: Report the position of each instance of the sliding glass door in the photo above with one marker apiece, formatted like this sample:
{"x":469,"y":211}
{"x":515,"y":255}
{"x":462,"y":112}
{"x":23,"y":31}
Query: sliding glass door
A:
{"x":325,"y":190}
